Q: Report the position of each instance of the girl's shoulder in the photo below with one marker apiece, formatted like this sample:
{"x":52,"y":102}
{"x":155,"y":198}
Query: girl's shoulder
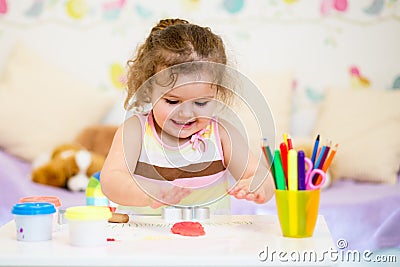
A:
{"x":133,"y":125}
{"x":224,"y":126}
{"x":228,"y":132}
{"x":134,"y":120}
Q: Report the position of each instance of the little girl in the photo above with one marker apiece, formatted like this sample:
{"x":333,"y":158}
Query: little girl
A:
{"x":178,"y":152}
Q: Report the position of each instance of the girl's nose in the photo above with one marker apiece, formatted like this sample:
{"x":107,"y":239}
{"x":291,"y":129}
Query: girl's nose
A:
{"x":186,"y":110}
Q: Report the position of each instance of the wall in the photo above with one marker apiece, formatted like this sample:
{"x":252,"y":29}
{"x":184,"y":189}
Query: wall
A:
{"x":328,"y":43}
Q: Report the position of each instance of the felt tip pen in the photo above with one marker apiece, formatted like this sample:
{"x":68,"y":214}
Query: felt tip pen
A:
{"x":292,"y":170}
{"x":301,"y":170}
{"x":285,"y":138}
{"x":284,"y":152}
{"x":289,"y":143}
{"x":279,"y":174}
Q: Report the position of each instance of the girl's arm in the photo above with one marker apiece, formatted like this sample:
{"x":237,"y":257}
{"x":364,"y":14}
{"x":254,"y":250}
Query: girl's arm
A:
{"x":117,"y":182}
{"x":254,"y":181}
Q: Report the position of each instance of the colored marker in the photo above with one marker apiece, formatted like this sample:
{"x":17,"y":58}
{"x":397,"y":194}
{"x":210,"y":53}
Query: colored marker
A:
{"x":301,"y":170}
{"x":284,"y":152}
{"x":285,"y":138}
{"x":268,"y":155}
{"x":314,"y":154}
{"x":279,"y":175}
{"x":292,"y":186}
{"x":292,"y":170}
{"x":289,"y":143}
{"x":330,"y":158}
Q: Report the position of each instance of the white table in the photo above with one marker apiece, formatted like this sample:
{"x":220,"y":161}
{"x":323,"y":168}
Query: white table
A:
{"x":147,"y":241}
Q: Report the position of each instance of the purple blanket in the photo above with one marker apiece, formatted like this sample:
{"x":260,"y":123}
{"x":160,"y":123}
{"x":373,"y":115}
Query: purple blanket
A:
{"x":366,"y":215}
{"x":15,"y":183}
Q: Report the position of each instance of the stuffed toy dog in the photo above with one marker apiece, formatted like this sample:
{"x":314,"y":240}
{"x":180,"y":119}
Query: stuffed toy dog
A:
{"x":70,"y":165}
{"x":97,"y":138}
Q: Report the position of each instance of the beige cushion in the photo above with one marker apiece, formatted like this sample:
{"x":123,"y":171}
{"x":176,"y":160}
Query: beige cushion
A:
{"x":366,"y":124}
{"x":276,"y":88}
{"x":42,"y":106}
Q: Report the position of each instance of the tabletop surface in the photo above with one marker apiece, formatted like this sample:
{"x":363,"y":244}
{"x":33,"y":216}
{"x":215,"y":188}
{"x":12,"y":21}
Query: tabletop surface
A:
{"x":237,"y":240}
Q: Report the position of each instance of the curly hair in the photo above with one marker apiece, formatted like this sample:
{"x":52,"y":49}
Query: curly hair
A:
{"x":172,"y":42}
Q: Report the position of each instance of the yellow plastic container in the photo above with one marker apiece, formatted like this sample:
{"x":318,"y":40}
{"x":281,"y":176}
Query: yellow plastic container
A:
{"x":87,"y":225}
{"x":297,"y":211}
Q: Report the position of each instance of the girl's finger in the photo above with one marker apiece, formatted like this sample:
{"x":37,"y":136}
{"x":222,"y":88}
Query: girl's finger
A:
{"x":241,"y":194}
{"x":260,"y":199}
{"x":250,"y":197}
{"x":234,"y":190}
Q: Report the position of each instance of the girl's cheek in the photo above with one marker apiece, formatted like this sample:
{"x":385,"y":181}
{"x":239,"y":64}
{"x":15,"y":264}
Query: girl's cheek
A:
{"x":206,"y":112}
{"x":162,"y":112}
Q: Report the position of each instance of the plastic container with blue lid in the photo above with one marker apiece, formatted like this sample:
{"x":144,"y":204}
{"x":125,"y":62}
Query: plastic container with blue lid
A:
{"x":33,"y":208}
{"x":34,"y":220}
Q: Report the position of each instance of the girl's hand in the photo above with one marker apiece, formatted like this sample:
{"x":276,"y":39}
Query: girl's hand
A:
{"x":241,"y":191}
{"x":169,"y":197}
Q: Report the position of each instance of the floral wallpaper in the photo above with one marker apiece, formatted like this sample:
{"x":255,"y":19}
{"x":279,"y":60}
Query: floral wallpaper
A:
{"x":352,"y":44}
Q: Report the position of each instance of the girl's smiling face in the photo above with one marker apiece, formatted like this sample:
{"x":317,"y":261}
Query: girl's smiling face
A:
{"x":183,"y":111}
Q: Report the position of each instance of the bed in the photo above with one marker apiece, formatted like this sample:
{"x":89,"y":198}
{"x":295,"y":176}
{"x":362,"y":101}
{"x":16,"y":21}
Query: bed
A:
{"x":365,"y":215}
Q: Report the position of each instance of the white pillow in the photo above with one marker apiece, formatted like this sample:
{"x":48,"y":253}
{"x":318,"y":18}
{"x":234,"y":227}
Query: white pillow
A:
{"x":41,"y":106}
{"x":276,"y":88}
{"x":366,"y":124}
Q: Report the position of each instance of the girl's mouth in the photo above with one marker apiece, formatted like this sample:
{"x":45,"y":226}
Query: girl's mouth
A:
{"x":184,"y":124}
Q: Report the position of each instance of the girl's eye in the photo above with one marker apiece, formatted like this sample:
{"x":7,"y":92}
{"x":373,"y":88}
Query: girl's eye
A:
{"x":201,"y":104}
{"x":171,"y":102}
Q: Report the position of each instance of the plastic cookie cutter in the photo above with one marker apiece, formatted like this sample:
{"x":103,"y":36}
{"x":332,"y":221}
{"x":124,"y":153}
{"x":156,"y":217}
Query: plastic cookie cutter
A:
{"x":172,"y":214}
